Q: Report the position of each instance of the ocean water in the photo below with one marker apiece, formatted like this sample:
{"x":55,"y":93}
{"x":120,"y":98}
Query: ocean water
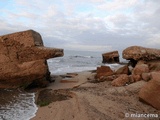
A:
{"x":77,"y":61}
{"x":74,"y":61}
{"x":17,"y":105}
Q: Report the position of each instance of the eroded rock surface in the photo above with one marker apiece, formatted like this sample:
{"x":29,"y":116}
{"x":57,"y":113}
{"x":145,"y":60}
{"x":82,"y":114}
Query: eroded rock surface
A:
{"x":103,"y":71}
{"x":122,"y":80}
{"x":23,"y":60}
{"x":141,"y":53}
{"x":138,"y":71}
{"x":111,"y":57}
{"x":123,"y":70}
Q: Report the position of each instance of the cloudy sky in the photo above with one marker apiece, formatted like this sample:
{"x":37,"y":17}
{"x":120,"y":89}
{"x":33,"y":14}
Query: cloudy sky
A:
{"x":94,"y":25}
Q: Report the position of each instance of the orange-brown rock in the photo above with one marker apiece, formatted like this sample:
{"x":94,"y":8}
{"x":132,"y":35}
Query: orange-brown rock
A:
{"x":141,"y":53}
{"x":103,"y":71}
{"x":150,"y":93}
{"x":23,"y":60}
{"x":146,"y":76}
{"x":138,"y":71}
{"x":123,"y":70}
{"x":135,"y":78}
{"x":107,"y":78}
{"x":154,"y":65}
{"x":122,"y":80}
{"x":110,"y":57}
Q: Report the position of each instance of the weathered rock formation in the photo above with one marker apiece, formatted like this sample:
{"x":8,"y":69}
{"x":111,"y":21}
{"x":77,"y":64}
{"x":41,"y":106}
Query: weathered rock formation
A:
{"x":111,"y":57}
{"x":136,"y":53}
{"x":23,"y":60}
{"x":146,"y":63}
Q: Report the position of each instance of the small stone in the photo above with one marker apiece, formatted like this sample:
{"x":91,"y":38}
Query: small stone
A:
{"x":146,"y":76}
{"x":107,"y":78}
{"x":121,"y":80}
{"x":103,"y":71}
{"x":123,"y":70}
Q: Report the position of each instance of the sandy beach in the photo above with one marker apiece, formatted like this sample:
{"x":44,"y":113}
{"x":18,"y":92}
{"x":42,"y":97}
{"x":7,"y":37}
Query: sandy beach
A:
{"x":86,"y":99}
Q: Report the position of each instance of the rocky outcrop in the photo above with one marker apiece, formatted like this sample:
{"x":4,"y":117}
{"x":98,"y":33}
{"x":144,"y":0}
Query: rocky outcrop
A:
{"x":23,"y":60}
{"x":150,"y":93}
{"x":144,"y":66}
{"x":146,"y":63}
{"x":141,"y":53}
{"x":110,"y":57}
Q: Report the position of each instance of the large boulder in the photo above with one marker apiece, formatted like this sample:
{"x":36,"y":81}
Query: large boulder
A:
{"x":150,"y":93}
{"x":23,"y":60}
{"x":141,"y":53}
{"x":123,"y":70}
{"x":122,"y":80}
{"x":138,"y":71}
{"x":110,"y":57}
{"x":103,"y":71}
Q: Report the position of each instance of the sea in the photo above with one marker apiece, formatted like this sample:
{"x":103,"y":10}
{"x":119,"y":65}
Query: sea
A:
{"x":77,"y":61}
{"x":20,"y":105}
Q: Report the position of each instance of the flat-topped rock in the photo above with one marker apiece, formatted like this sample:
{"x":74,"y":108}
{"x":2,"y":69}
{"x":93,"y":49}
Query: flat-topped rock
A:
{"x":26,"y":38}
{"x":141,"y":53}
{"x":110,"y":57}
{"x":23,"y":59}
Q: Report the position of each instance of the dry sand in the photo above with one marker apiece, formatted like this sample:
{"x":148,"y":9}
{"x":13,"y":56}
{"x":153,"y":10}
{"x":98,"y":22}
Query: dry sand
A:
{"x":89,"y":100}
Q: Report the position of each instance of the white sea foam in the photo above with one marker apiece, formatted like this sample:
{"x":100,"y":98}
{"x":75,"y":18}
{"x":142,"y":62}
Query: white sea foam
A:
{"x":114,"y":66}
{"x":21,"y":108}
{"x":68,"y":69}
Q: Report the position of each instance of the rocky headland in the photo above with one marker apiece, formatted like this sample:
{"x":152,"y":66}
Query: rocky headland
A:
{"x":23,"y":60}
{"x":125,"y":93}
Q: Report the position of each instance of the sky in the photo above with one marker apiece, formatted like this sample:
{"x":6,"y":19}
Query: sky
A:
{"x":87,"y":25}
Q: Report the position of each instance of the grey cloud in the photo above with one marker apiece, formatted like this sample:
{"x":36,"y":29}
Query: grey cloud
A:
{"x":66,"y":28}
{"x":54,"y":42}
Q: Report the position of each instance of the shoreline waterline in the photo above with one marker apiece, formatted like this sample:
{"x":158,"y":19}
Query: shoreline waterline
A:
{"x":17,"y":105}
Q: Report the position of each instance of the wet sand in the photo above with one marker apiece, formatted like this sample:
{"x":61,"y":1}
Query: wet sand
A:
{"x":89,"y":100}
